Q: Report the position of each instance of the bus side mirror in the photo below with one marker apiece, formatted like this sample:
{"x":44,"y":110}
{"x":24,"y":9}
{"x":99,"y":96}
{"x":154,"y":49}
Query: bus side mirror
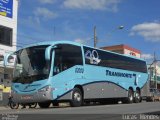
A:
{"x":48,"y":52}
{"x":9,"y":60}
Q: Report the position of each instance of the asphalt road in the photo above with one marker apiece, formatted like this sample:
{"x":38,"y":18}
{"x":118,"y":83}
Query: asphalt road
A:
{"x":144,"y":110}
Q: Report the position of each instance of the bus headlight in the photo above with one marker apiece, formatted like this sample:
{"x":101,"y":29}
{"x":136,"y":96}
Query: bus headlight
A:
{"x":44,"y":89}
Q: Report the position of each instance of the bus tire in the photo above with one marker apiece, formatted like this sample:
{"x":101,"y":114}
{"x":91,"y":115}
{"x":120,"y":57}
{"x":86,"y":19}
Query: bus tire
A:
{"x":33,"y":105}
{"x":76,"y":98}
{"x":130,"y":96}
{"x":137,"y":98}
{"x":13,"y":105}
{"x":44,"y":104}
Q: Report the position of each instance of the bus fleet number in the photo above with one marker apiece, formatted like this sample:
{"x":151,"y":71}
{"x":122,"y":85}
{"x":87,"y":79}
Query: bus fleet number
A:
{"x":79,"y":70}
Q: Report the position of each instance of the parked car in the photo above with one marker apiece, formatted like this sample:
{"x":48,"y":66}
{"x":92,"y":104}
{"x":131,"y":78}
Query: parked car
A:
{"x":154,"y":95}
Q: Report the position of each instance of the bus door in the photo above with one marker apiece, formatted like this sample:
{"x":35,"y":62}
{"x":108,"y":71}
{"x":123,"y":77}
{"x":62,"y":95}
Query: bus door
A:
{"x":67,"y":67}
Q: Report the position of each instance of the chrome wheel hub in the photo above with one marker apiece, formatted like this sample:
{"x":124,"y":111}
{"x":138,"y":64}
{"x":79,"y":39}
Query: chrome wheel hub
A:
{"x":77,"y":97}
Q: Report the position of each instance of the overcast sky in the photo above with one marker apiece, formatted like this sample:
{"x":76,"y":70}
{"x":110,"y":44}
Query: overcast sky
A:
{"x":74,"y":20}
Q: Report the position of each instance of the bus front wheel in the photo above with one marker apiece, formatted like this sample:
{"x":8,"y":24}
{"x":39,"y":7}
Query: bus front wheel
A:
{"x":76,"y":98}
{"x":33,"y":105}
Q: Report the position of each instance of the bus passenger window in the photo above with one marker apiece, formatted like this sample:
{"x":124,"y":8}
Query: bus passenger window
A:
{"x":64,"y":67}
{"x":67,"y":57}
{"x":56,"y":70}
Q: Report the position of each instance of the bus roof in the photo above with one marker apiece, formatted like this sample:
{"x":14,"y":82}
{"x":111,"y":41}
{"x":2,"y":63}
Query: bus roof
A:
{"x":77,"y":44}
{"x":52,"y":43}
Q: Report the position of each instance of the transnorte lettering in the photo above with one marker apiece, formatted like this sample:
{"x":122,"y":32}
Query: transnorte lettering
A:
{"x":118,"y":74}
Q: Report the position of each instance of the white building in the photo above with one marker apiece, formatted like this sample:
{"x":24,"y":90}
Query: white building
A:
{"x":8,"y":43}
{"x":8,"y":26}
{"x":154,"y":74}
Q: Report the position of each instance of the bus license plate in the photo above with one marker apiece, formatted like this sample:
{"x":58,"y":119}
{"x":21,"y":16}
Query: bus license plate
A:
{"x":26,"y":97}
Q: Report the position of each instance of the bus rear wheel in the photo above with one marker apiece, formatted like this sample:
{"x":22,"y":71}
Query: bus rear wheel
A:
{"x":76,"y":98}
{"x":130,"y":96}
{"x":137,"y":98}
{"x":44,"y":104}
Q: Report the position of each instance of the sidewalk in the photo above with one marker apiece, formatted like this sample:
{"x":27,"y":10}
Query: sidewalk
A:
{"x":4,"y":108}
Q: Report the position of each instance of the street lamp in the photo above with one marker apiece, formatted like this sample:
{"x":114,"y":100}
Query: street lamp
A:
{"x":95,"y":34}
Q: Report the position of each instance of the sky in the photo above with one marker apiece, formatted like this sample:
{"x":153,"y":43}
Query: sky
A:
{"x":74,"y":20}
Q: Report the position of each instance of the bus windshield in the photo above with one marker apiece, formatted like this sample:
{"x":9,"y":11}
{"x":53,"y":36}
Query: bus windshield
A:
{"x":31,"y":65}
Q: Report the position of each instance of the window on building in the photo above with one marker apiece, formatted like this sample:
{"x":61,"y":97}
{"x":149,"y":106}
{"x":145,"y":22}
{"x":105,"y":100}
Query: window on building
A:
{"x":1,"y":57}
{"x":6,"y":36}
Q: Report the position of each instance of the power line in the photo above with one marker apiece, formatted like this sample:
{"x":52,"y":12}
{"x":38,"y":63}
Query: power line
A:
{"x":30,"y":40}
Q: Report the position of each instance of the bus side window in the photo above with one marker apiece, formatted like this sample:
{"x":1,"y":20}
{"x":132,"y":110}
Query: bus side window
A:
{"x":65,"y":67}
{"x":67,"y":57}
{"x":56,"y":68}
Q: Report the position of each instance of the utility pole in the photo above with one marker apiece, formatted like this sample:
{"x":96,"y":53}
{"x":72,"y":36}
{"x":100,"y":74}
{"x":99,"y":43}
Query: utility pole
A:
{"x":155,"y":66}
{"x":95,"y":34}
{"x":95,"y":37}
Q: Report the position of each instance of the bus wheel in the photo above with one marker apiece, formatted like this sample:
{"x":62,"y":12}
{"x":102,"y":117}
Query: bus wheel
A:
{"x":44,"y":104}
{"x":13,"y":105}
{"x":33,"y":105}
{"x":137,"y":98}
{"x":76,"y":98}
{"x":130,"y":96}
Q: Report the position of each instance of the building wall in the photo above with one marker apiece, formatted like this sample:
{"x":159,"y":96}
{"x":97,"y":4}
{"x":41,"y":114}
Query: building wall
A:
{"x":132,"y":53}
{"x":154,"y":76}
{"x":124,"y":49}
{"x":10,"y":23}
{"x":7,"y":21}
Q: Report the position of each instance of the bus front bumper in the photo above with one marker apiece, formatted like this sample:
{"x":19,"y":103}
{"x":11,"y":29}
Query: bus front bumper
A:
{"x":39,"y":96}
